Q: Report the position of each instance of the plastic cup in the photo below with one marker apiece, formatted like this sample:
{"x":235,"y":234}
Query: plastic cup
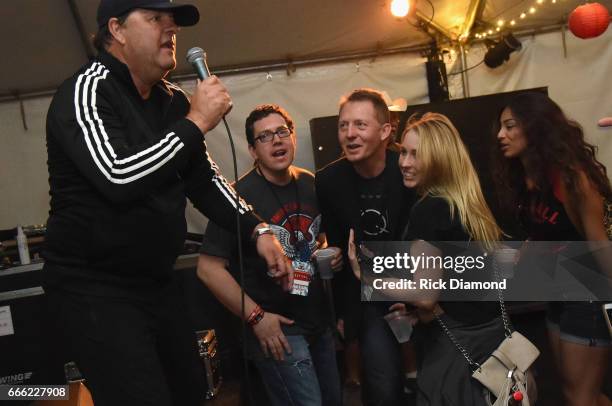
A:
{"x":324,"y":258}
{"x":505,"y":258}
{"x":400,"y":325}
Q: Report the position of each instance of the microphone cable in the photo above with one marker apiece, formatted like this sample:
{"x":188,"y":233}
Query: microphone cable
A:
{"x":197,"y":58}
{"x":243,"y":323}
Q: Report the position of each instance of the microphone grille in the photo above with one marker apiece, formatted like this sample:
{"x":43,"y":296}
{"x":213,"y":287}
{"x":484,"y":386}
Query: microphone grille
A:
{"x":194,"y":54}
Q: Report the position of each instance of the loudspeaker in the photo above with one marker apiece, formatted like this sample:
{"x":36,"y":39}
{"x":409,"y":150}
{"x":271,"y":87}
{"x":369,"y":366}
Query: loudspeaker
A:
{"x":437,"y":82}
{"x":324,"y":137}
{"x":21,"y":328}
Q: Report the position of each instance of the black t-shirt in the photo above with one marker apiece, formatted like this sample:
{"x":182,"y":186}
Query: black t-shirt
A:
{"x":430,"y":220}
{"x":374,"y":215}
{"x":293,"y":214}
{"x":545,"y":218}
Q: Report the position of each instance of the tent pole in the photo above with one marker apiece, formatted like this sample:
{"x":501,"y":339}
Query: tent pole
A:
{"x":282,"y":65}
{"x":76,"y":15}
{"x":474,"y":13}
{"x":464,"y":77}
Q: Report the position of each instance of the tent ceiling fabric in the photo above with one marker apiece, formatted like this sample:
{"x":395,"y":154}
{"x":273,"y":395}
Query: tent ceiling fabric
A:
{"x":44,"y":46}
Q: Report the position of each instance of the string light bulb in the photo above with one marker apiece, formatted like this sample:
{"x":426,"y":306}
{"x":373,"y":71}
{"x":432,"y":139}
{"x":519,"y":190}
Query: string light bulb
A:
{"x":531,"y":10}
{"x":400,"y":8}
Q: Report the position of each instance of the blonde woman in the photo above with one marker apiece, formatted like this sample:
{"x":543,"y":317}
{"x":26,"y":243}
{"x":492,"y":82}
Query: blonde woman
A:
{"x":451,"y":207}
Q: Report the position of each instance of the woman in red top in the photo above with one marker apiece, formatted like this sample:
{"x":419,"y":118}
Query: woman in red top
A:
{"x":551,"y":177}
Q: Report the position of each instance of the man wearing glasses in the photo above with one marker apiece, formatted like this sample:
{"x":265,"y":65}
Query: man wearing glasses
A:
{"x":290,"y":337}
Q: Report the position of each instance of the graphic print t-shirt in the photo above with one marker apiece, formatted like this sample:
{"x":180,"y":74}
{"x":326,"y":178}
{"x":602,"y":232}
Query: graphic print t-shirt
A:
{"x":373,"y":208}
{"x":296,"y":225}
{"x":545,"y":217}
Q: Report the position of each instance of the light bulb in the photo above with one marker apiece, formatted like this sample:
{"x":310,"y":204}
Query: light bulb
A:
{"x":400,"y":8}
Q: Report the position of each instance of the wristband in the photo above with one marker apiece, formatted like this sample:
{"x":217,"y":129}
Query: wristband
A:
{"x":261,"y":231}
{"x":256,"y":315}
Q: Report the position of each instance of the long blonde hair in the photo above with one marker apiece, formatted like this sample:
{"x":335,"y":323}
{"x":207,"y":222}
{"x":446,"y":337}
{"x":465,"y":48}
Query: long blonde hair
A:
{"x":447,"y":172}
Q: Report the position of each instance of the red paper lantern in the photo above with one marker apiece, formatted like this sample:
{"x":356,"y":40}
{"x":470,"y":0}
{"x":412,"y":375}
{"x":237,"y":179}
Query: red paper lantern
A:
{"x":589,"y":20}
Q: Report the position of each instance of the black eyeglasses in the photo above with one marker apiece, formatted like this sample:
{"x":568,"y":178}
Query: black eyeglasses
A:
{"x":267,"y":136}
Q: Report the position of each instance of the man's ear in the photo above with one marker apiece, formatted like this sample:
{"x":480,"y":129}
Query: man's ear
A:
{"x":385,"y":131}
{"x":116,"y":30}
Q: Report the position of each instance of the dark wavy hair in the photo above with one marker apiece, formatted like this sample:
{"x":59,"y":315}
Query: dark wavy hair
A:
{"x":554,"y":144}
{"x":263,"y":111}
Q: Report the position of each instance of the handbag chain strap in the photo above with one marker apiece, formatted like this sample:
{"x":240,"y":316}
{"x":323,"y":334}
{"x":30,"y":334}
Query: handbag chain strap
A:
{"x":502,"y":304}
{"x":504,"y":314}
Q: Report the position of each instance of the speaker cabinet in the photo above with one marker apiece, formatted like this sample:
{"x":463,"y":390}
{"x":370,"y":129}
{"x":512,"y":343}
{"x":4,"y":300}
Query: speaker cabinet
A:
{"x":437,"y":82}
{"x":324,"y":136}
{"x":21,"y":328}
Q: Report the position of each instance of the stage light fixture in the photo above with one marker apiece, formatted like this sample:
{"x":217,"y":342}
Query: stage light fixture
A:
{"x":500,"y":51}
{"x":400,"y":8}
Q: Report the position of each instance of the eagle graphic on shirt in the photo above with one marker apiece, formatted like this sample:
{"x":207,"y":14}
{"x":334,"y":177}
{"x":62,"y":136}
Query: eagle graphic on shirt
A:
{"x":301,"y":243}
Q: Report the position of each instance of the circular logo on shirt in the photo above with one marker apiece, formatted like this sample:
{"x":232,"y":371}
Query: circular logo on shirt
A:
{"x":374,"y":223}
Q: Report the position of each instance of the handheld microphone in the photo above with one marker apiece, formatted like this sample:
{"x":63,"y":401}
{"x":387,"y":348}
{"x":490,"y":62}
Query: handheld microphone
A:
{"x":197,"y":58}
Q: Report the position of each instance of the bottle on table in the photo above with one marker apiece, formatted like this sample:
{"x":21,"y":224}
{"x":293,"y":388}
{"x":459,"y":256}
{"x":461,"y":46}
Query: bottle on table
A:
{"x":22,"y":246}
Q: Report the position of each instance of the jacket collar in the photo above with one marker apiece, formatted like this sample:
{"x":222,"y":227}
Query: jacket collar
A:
{"x":122,"y":73}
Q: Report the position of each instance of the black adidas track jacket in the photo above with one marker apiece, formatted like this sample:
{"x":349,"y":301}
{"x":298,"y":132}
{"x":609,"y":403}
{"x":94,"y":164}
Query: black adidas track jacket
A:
{"x":119,"y":171}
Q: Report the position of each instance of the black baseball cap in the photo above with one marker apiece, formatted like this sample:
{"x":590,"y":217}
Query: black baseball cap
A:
{"x":184,"y":14}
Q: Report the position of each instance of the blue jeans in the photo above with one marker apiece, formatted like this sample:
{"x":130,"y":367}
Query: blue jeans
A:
{"x":306,"y":377}
{"x":381,"y":357}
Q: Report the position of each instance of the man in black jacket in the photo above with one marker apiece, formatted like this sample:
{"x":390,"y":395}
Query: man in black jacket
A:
{"x":364,"y":191}
{"x":125,"y":147}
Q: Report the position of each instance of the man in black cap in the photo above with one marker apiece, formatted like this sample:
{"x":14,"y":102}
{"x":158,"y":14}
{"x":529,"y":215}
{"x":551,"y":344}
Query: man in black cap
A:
{"x":125,"y":147}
